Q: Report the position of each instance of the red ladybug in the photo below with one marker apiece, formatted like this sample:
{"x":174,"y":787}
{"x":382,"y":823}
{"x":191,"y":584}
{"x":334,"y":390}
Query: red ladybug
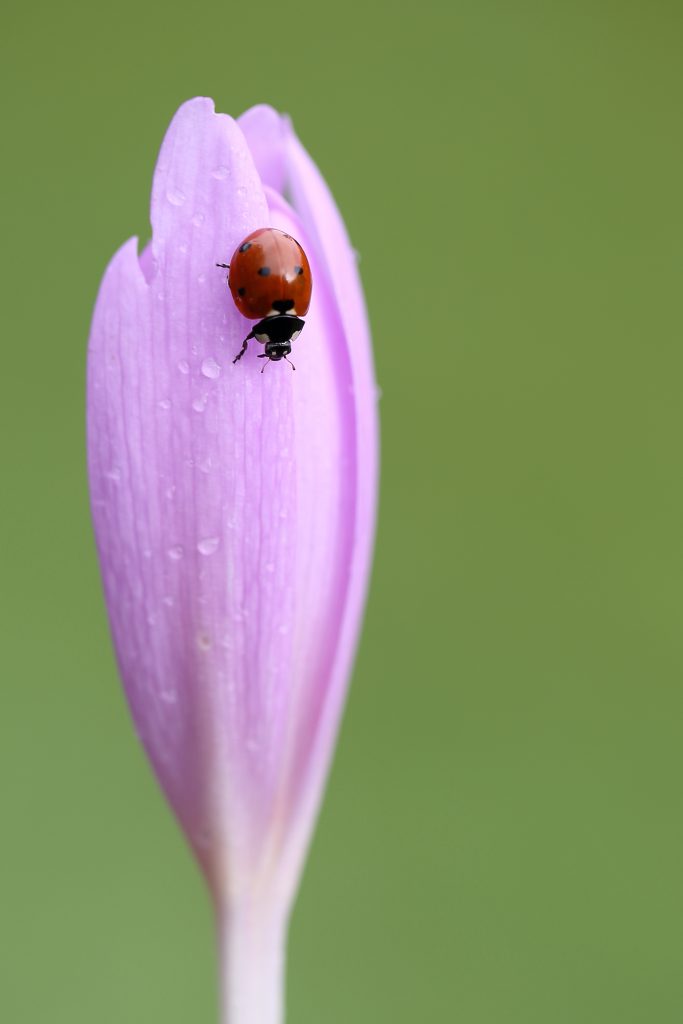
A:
{"x":270,"y":281}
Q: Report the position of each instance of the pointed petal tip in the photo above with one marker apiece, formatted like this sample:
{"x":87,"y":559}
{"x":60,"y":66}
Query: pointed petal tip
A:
{"x":125,"y":266}
{"x":205,"y":174}
{"x":262,"y":112}
{"x":203,"y":103}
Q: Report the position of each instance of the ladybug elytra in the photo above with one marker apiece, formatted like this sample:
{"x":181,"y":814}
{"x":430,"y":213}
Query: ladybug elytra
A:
{"x":270,"y":281}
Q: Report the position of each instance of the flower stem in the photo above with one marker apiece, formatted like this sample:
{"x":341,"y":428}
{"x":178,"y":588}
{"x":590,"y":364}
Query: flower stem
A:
{"x":251,"y":944}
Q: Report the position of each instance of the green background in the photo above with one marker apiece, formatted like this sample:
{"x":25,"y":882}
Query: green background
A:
{"x":501,"y":840}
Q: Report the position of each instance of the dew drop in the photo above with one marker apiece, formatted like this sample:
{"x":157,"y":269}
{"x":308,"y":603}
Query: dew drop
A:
{"x":203,"y":641}
{"x":270,"y":567}
{"x":198,"y":220}
{"x":221,"y":172}
{"x":165,"y":403}
{"x":206,"y":465}
{"x":175,"y":196}
{"x":168,"y":601}
{"x":114,"y":475}
{"x":175,"y":553}
{"x":184,"y":366}
{"x":182,"y":249}
{"x":210,"y":368}
{"x":201,"y":279}
{"x":168,"y":696}
{"x":199,"y":404}
{"x":208,"y":545}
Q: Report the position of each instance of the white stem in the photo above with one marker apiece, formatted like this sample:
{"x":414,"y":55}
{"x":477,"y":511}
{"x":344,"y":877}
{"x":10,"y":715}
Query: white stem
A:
{"x":251,"y":942}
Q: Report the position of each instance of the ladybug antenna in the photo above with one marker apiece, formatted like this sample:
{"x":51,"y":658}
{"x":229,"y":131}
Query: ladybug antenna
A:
{"x":226,"y":266}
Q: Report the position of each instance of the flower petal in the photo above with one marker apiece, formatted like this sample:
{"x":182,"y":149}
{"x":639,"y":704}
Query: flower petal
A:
{"x":266,"y":133}
{"x":179,"y":450}
{"x":284,"y":163}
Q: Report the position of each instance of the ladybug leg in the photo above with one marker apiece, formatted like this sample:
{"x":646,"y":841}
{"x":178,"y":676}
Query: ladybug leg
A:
{"x":264,"y":356}
{"x":244,"y":347}
{"x":290,"y":363}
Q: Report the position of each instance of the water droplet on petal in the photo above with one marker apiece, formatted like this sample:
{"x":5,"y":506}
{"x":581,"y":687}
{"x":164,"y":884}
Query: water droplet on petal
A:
{"x":114,"y":475}
{"x":199,"y":404}
{"x":168,"y":696}
{"x":184,"y":366}
{"x":210,"y":368}
{"x":198,"y":220}
{"x":208,"y":545}
{"x":270,"y":567}
{"x":176,"y":552}
{"x":201,"y":278}
{"x":203,"y":641}
{"x":165,"y":403}
{"x":175,"y":196}
{"x":221,"y":172}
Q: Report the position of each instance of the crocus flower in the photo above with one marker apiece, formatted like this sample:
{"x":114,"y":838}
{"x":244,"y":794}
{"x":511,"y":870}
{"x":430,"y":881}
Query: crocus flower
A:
{"x":234,"y":518}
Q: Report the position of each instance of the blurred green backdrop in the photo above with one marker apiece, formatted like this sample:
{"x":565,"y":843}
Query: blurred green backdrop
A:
{"x":501,"y":840}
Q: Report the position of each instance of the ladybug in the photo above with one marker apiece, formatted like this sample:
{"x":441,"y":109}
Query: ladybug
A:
{"x":270,"y":281}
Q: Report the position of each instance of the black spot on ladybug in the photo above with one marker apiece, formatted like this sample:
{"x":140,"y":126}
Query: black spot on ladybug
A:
{"x":298,"y":270}
{"x":245,"y":246}
{"x":264,"y":271}
{"x":241,"y":291}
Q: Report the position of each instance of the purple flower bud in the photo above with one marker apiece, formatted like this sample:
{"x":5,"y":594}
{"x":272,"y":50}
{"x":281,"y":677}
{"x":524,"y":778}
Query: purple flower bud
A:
{"x":234,"y":516}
